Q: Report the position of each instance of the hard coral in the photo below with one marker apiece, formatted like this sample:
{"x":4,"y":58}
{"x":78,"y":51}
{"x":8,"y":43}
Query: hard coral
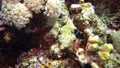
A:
{"x":19,"y":12}
{"x":52,"y":8}
{"x":62,"y":39}
{"x":104,"y":55}
{"x":106,"y":47}
{"x":35,"y":5}
{"x":92,"y":47}
{"x":18,"y":16}
{"x":115,"y":37}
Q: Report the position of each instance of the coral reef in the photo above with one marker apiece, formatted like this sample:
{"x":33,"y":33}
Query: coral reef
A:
{"x":58,"y":34}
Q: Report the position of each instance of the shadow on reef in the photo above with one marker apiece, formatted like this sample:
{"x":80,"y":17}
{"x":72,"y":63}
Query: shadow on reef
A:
{"x":10,"y":49}
{"x":13,"y":42}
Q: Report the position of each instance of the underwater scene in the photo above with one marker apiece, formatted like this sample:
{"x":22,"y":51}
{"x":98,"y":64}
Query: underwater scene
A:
{"x":59,"y":33}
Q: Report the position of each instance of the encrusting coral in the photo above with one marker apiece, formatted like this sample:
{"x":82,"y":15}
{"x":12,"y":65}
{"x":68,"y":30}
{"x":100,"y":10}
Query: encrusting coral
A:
{"x":66,"y":31}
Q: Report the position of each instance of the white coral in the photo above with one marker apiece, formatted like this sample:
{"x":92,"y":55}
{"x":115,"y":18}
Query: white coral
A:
{"x":53,"y":8}
{"x":19,"y":13}
{"x":12,"y":1}
{"x":87,"y":10}
{"x":34,"y":5}
{"x":16,"y":13}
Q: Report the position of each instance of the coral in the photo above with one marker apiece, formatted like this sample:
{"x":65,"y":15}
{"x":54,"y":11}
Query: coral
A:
{"x":114,"y":60}
{"x":92,"y":44}
{"x":103,"y":55}
{"x":93,"y":39}
{"x":115,"y":37}
{"x":106,"y":47}
{"x":12,"y":1}
{"x":87,"y":10}
{"x":20,"y":13}
{"x":55,"y":48}
{"x":52,"y":8}
{"x":104,"y":51}
{"x":56,"y":28}
{"x":18,"y":16}
{"x":35,"y":5}
{"x":94,"y":65}
{"x":81,"y":56}
{"x":67,"y":35}
{"x":38,"y":58}
{"x":92,"y":47}
{"x":59,"y":34}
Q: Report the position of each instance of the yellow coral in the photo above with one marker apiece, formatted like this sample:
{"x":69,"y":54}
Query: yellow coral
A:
{"x":46,"y":65}
{"x":103,"y":55}
{"x":81,"y":1}
{"x":93,"y":39}
{"x":67,"y":20}
{"x":106,"y":47}
{"x":92,"y":47}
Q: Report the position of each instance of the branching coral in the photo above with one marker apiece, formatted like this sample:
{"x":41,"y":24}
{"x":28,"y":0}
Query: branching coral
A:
{"x":49,"y":7}
{"x":52,"y":8}
{"x":18,"y":16}
{"x":20,"y":13}
{"x":35,"y":5}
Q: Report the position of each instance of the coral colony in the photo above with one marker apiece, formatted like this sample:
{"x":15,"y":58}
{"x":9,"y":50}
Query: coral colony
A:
{"x":57,"y":34}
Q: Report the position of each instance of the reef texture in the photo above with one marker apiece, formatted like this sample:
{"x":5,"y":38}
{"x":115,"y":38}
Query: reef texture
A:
{"x":60,"y":34}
